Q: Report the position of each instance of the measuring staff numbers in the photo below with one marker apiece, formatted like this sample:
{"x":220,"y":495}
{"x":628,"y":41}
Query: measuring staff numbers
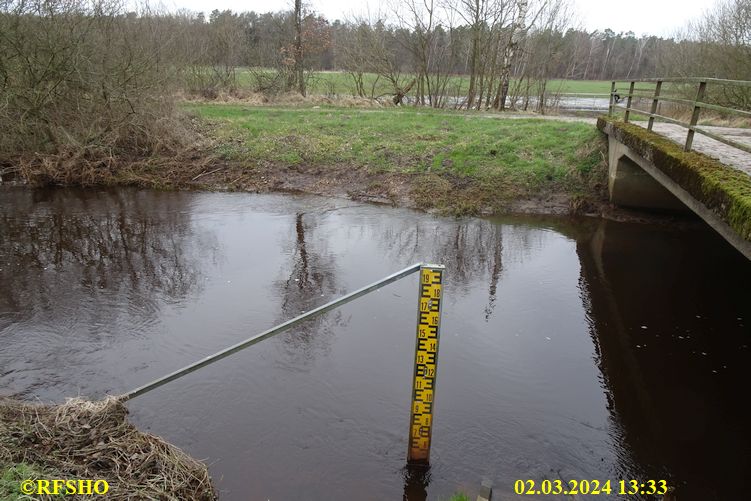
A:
{"x":426,"y":355}
{"x":592,"y":487}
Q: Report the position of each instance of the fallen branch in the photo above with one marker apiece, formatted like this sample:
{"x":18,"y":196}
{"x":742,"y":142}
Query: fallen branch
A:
{"x":207,"y":173}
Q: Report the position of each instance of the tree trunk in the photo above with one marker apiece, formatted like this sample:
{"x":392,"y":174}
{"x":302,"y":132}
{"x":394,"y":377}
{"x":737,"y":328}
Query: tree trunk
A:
{"x":473,"y":66}
{"x":516,"y":31}
{"x":299,"y":76}
{"x":400,"y":93}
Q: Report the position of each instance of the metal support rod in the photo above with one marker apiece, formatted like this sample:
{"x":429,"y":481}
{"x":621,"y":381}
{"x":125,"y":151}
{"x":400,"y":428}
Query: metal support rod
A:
{"x":611,"y":105}
{"x":655,"y":101}
{"x":270,"y":332}
{"x":628,"y":103}
{"x":695,"y":115}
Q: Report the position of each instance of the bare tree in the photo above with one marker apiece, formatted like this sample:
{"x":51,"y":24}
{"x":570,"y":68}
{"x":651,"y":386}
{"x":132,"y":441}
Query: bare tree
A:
{"x":427,"y":41}
{"x":297,"y":72}
{"x":517,"y":31}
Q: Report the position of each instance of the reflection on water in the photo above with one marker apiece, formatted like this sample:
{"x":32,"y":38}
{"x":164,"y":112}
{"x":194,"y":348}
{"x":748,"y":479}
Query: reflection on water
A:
{"x":416,"y":481}
{"x":571,"y":349}
{"x":312,"y":276}
{"x":87,"y":267}
{"x":97,"y":241}
{"x":673,"y":341}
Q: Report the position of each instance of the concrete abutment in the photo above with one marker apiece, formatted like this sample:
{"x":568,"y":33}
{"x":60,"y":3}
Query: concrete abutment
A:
{"x":630,"y":185}
{"x":646,"y":174}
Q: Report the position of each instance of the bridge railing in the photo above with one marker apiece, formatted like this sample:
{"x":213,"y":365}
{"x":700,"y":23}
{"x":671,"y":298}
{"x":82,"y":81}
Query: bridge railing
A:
{"x":696,"y":87}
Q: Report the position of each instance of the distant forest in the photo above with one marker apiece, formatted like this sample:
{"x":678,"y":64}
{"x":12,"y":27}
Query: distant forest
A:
{"x":418,"y":45}
{"x":570,"y":53}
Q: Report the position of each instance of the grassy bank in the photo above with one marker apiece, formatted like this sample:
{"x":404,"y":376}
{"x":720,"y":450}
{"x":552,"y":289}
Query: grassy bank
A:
{"x":455,"y":162}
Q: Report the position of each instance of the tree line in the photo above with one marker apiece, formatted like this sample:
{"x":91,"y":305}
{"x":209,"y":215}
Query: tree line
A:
{"x":88,"y":81}
{"x":507,"y":49}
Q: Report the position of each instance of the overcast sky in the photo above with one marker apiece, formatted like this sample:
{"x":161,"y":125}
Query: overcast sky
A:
{"x":654,"y":17}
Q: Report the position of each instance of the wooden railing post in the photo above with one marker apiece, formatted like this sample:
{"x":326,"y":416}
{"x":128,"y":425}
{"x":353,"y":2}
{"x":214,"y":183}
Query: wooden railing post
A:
{"x":695,"y":115}
{"x":628,"y":103}
{"x":654,"y":105}
{"x":611,"y":104}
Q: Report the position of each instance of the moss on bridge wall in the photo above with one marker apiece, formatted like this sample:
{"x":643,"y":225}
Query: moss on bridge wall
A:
{"x":724,"y":190}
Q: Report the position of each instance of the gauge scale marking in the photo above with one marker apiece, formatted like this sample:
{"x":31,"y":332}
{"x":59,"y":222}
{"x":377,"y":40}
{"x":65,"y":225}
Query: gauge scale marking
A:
{"x":426,"y":358}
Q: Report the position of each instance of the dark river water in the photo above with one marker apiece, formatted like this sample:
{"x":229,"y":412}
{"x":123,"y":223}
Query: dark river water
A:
{"x":571,"y":348}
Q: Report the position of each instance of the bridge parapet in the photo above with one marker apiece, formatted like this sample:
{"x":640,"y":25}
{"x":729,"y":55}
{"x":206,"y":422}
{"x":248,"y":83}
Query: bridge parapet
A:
{"x":732,"y":99}
{"x":717,"y":193}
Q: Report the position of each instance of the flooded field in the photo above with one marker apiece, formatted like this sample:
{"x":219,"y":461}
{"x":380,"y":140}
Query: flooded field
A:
{"x":571,"y":348}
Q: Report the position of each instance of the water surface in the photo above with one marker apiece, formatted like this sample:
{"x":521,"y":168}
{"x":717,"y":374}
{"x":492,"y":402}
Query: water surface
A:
{"x":571,"y":349}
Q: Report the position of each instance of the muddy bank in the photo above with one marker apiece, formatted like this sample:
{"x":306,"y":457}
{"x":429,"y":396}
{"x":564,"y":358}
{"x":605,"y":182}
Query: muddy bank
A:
{"x":202,"y":167}
{"x":442,"y":194}
{"x":440,"y":162}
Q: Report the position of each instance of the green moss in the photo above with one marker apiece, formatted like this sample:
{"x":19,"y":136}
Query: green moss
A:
{"x":724,"y":190}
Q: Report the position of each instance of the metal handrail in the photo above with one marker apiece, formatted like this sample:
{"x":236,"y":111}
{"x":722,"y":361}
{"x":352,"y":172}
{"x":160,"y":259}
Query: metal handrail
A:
{"x":721,"y":81}
{"x":688,"y":102}
{"x":653,"y":115}
{"x":270,"y":332}
{"x":697,"y":104}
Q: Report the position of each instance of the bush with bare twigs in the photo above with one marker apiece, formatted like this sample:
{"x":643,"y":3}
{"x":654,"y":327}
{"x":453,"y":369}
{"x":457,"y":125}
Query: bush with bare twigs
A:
{"x":84,"y":88}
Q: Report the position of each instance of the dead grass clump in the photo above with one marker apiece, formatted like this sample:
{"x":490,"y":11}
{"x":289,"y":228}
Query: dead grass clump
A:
{"x":248,"y":97}
{"x":175,"y":149}
{"x":93,"y":440}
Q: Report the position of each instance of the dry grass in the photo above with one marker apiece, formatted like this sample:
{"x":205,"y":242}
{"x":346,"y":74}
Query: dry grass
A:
{"x":93,"y":440}
{"x":251,"y":98}
{"x":177,"y":149}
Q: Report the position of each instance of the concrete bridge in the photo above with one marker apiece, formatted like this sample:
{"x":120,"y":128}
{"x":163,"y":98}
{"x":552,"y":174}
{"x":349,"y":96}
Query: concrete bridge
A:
{"x":650,"y":170}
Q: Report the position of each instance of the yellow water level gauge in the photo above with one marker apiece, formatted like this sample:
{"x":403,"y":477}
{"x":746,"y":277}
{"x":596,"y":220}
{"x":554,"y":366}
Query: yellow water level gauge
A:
{"x":426,"y":359}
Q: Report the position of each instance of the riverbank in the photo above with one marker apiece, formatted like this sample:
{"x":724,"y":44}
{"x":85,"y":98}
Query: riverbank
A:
{"x":452,"y":162}
{"x":83,"y":440}
{"x":444,"y":161}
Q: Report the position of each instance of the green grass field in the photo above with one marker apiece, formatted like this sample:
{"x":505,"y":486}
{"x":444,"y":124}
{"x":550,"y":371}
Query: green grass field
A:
{"x":341,"y":83}
{"x":508,"y":157}
{"x":406,"y":140}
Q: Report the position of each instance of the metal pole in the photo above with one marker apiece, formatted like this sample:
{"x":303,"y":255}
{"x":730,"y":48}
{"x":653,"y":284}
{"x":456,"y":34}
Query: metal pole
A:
{"x":270,"y":332}
{"x":628,"y":103}
{"x":611,"y":105}
{"x":654,"y":105}
{"x":430,"y":298}
{"x":695,"y":116}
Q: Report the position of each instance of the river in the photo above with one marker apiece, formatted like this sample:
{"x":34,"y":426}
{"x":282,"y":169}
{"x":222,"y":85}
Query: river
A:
{"x":571,"y":348}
